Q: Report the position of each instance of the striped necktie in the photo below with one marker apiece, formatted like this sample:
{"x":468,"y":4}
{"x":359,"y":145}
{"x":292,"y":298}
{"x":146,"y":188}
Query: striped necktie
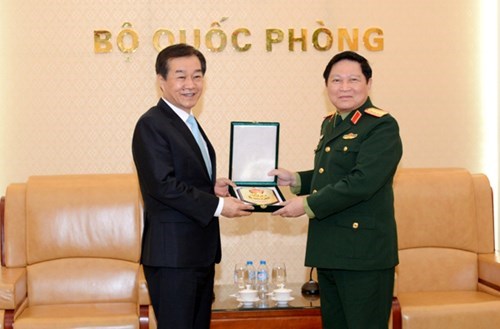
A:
{"x":191,"y":121}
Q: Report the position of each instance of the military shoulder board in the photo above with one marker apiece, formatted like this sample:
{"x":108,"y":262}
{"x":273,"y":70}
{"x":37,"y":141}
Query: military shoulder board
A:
{"x":375,"y":112}
{"x":329,"y":115}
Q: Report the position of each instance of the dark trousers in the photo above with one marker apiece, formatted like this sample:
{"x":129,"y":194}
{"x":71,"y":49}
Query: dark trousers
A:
{"x":181,"y":297}
{"x":356,"y":299}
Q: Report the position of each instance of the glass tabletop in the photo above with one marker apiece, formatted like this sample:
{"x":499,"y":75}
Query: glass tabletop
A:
{"x":226,"y":300}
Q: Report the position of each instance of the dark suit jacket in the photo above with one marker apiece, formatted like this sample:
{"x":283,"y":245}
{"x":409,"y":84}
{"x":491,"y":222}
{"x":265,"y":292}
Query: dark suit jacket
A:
{"x":178,"y":194}
{"x":351,"y":193}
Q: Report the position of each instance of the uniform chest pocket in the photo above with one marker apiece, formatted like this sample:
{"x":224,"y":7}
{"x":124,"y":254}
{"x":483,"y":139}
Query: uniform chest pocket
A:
{"x":347,"y":147}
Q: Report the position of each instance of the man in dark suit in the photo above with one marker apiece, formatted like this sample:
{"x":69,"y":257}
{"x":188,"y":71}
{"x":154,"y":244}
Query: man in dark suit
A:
{"x":182,"y":198}
{"x":352,"y":237}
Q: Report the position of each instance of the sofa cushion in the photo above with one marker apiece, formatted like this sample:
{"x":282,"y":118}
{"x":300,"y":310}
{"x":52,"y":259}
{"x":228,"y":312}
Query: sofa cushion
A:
{"x":458,"y":309}
{"x":436,"y":269}
{"x":84,"y":316}
{"x":82,"y":280}
{"x":83,"y":216}
{"x":435,"y":207}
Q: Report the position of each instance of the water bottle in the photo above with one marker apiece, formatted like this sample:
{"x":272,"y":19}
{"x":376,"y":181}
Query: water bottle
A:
{"x":262,"y":280}
{"x":252,"y":275}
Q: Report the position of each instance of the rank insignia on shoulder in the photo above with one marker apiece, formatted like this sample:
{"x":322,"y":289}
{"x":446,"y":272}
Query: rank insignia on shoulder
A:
{"x":376,"y":112}
{"x":330,"y":115}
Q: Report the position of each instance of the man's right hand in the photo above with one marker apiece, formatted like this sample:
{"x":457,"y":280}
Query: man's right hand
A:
{"x":285,"y":177}
{"x":235,"y":208}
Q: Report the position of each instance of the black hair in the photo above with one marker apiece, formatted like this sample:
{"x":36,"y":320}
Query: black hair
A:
{"x":175,"y":51}
{"x":350,"y":56}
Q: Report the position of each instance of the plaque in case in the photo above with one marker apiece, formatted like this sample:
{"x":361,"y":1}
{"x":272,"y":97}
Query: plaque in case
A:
{"x":254,"y":153}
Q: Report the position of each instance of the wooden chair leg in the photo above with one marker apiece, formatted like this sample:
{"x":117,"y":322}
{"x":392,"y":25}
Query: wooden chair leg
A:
{"x":397,"y":321}
{"x":144,"y":316}
{"x":8,"y":319}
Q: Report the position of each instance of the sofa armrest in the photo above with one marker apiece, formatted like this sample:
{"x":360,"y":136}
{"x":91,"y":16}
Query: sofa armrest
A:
{"x":13,"y":293}
{"x":12,"y":287}
{"x":143,"y":288}
{"x":395,"y":291}
{"x":489,"y":270}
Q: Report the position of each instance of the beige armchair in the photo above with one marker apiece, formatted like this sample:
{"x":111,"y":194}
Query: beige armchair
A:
{"x":70,"y":253}
{"x":449,"y":273}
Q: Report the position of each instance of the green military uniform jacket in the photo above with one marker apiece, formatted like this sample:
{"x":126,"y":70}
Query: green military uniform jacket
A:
{"x":350,"y":192}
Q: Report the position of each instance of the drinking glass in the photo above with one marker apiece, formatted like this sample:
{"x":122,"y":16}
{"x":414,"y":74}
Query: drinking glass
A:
{"x":240,"y":275}
{"x":279,"y":275}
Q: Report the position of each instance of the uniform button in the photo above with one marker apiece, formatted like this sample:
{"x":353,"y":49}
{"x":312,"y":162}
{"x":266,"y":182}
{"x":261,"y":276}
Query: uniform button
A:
{"x":321,"y":170}
{"x":355,"y":225}
{"x":327,"y":149}
{"x":314,"y":191}
{"x":345,"y":148}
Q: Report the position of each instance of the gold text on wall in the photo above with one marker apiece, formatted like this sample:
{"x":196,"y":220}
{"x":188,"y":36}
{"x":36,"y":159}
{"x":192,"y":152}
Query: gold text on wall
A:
{"x":241,"y":39}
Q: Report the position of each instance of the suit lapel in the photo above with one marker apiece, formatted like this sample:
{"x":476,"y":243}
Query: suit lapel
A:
{"x":183,"y":130}
{"x":211,"y":151}
{"x":178,"y":124}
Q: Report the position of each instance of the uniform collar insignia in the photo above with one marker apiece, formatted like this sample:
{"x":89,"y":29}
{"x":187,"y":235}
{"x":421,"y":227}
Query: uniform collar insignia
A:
{"x":355,"y":118}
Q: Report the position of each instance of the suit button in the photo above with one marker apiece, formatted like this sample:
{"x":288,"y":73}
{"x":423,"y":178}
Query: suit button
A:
{"x":355,"y":225}
{"x":327,"y":149}
{"x":321,"y":170}
{"x":345,"y":149}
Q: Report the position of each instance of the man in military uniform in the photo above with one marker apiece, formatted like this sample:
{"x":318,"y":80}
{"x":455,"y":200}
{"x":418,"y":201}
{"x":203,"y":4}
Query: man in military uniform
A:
{"x":348,"y":196}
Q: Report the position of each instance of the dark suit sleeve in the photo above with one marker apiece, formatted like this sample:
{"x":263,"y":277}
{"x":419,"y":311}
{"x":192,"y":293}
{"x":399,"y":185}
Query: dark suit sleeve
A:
{"x":169,"y":174}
